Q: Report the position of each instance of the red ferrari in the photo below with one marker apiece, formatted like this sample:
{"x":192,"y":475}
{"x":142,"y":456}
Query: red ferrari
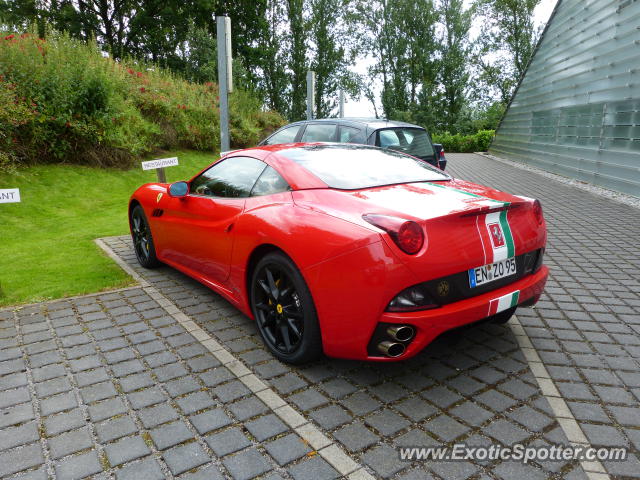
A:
{"x":349,"y":250}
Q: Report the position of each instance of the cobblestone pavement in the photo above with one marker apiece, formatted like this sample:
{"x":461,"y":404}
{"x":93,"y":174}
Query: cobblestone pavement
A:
{"x":112,"y":385}
{"x":586,"y":328}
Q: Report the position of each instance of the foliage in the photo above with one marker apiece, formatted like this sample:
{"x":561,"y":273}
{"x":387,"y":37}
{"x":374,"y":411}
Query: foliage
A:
{"x":472,"y":119}
{"x":488,"y":118}
{"x":297,"y":59}
{"x":506,"y":44}
{"x":423,"y":54}
{"x":200,"y":56}
{"x":453,"y":70}
{"x":66,"y":102}
{"x":478,"y":142}
{"x":425,"y":61}
{"x":274,"y":80}
{"x":332,"y":52}
{"x":400,"y":39}
{"x":13,"y":114}
{"x":47,"y":240}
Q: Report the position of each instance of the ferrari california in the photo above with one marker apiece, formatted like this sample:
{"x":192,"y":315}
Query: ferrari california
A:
{"x":348,"y":250}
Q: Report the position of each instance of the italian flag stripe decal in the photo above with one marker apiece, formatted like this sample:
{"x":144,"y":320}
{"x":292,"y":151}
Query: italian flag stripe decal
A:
{"x":499,"y":245}
{"x":506,"y":230}
{"x":503,"y":303}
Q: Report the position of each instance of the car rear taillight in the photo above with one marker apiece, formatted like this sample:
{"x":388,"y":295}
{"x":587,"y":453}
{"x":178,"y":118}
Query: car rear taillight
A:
{"x":537,"y":211}
{"x":407,"y":234}
{"x":441,"y":160}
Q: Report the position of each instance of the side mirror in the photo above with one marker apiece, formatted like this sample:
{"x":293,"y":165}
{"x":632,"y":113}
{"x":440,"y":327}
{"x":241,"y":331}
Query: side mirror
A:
{"x":178,"y":189}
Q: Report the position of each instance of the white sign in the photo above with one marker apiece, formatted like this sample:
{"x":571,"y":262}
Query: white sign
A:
{"x":160,"y":163}
{"x":9,"y":195}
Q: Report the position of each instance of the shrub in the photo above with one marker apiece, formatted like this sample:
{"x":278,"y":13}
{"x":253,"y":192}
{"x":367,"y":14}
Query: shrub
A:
{"x":14,"y":114}
{"x":61,"y":100}
{"x":479,"y":142}
{"x":483,"y":139}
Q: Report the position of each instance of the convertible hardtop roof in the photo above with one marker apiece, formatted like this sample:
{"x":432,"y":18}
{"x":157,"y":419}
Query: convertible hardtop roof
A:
{"x":297,"y":176}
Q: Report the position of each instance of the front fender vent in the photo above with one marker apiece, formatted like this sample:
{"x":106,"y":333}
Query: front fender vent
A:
{"x":157,"y":212}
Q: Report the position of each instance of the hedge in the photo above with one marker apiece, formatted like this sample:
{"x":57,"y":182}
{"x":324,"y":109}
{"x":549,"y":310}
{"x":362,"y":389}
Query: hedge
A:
{"x":479,"y":142}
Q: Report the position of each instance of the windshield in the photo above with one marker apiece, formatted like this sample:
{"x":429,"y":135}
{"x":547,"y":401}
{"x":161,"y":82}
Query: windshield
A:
{"x":414,"y":141}
{"x":352,"y":167}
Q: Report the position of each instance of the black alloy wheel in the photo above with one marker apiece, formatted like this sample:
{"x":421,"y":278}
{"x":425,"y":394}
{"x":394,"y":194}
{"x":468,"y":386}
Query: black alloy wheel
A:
{"x":284,"y":310}
{"x":142,"y":239}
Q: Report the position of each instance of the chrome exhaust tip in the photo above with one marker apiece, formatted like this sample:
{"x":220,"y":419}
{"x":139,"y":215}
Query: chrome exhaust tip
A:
{"x":391,"y":349}
{"x":401,"y":333}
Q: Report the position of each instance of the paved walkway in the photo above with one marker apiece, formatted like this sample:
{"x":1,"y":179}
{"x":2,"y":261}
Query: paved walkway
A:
{"x":144,"y":383}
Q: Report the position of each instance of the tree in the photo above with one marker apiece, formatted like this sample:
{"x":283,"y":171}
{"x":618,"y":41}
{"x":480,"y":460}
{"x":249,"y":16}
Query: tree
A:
{"x":507,"y":43}
{"x":200,"y":56}
{"x":297,"y":63}
{"x":273,"y":81}
{"x":453,"y":70}
{"x":59,"y":14}
{"x":249,"y":26}
{"x":332,"y":52}
{"x":400,"y":36}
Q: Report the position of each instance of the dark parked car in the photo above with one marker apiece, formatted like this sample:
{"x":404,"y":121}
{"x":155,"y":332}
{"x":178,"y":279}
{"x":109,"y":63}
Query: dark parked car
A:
{"x":400,"y":136}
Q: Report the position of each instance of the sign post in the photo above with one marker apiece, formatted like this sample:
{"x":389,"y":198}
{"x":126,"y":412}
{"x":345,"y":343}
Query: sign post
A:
{"x":10,"y":195}
{"x":225,"y":84}
{"x":311,"y":90}
{"x":341,"y":111}
{"x":159,"y":166}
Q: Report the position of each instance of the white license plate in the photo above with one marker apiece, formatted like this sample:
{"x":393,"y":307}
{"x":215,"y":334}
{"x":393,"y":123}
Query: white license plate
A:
{"x":492,"y":272}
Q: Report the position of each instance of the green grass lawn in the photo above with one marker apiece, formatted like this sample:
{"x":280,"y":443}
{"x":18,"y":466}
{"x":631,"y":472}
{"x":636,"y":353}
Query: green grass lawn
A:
{"x":46,"y":242}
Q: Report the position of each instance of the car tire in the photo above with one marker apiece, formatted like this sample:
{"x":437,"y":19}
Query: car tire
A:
{"x":142,"y":239}
{"x":503,"y":317}
{"x":284,"y":310}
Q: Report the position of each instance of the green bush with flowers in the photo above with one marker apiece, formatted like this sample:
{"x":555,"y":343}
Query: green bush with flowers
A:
{"x":63,"y":101}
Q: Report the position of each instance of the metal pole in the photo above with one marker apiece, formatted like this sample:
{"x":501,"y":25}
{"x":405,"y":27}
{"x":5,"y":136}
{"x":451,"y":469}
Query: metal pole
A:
{"x":341,"y":114}
{"x":223,"y":33}
{"x":311,"y":90}
{"x":228,"y":53}
{"x":162,"y":176}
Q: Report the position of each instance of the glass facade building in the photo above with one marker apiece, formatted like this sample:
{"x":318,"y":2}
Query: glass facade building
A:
{"x":576,"y":111}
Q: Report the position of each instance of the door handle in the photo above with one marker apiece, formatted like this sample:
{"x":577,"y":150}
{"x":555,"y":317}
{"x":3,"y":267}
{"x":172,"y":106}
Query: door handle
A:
{"x":229,"y":228}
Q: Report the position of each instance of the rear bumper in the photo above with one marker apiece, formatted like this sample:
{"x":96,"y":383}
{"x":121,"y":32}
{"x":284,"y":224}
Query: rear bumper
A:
{"x":429,"y":324}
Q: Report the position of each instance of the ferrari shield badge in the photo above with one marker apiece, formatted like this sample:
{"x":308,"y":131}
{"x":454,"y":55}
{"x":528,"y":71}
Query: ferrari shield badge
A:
{"x":159,"y":197}
{"x":496,"y":235}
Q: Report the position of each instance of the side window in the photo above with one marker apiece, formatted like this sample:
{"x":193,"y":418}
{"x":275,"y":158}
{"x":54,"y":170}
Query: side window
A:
{"x":269,"y":182}
{"x":286,"y":135}
{"x":348,"y":134}
{"x":388,"y":138}
{"x":319,"y":132}
{"x":231,"y":178}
